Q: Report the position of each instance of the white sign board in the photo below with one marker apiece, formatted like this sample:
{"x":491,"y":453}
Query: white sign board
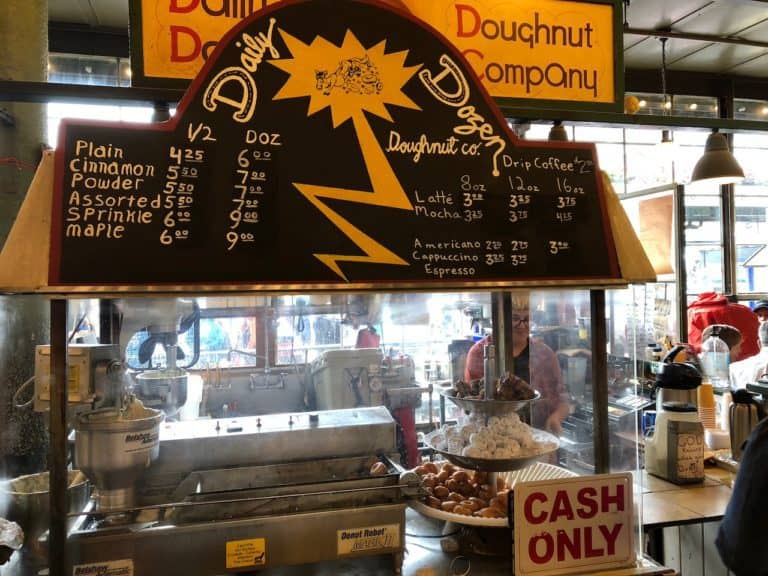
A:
{"x":574,"y":524}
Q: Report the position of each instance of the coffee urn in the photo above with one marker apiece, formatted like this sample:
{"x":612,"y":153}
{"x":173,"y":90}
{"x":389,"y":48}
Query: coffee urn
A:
{"x":743,"y":415}
{"x":674,"y":448}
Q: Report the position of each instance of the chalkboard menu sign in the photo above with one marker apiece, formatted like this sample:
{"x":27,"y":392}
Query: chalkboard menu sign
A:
{"x":327,"y":144}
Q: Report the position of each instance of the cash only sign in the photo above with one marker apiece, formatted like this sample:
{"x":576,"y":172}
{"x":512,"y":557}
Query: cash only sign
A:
{"x":574,"y":525}
{"x":534,"y":51}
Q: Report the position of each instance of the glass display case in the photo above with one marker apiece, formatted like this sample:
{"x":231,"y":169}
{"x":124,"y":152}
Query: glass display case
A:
{"x":212,"y":366}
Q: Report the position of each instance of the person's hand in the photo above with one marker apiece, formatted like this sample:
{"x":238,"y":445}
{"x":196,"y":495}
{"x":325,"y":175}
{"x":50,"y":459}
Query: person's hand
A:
{"x":554,"y":422}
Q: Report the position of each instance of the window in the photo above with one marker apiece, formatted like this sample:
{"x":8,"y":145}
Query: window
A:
{"x":751,"y":203}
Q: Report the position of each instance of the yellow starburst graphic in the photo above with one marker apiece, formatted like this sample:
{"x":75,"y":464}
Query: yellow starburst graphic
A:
{"x":351,"y":80}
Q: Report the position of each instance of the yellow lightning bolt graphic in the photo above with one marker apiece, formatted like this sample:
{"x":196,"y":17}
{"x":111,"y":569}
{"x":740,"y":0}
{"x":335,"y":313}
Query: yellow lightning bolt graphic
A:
{"x":351,"y":79}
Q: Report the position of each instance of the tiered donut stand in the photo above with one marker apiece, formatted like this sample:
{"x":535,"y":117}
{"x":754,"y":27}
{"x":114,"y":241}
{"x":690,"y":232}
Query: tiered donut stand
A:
{"x":513,"y":469}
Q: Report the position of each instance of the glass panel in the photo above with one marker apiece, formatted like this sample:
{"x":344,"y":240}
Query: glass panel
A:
{"x":643,"y":136}
{"x":750,"y":109}
{"x":636,"y":322}
{"x":59,"y":110}
{"x":611,"y":161}
{"x":83,"y":69}
{"x":539,"y":131}
{"x":398,"y":351}
{"x":751,"y":227}
{"x":696,"y":106}
{"x":648,"y":166}
{"x":560,"y":320}
{"x":598,"y":134}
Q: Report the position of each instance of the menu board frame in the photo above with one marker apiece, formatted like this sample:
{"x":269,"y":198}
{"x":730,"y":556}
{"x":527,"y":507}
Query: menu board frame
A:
{"x":394,"y":283}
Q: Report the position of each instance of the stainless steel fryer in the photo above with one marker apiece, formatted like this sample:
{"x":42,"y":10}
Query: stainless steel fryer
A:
{"x":252,"y":493}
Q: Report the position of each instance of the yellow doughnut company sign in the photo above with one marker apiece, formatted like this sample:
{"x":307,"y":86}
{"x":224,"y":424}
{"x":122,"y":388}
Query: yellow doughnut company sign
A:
{"x":532,"y":49}
{"x":529,"y":50}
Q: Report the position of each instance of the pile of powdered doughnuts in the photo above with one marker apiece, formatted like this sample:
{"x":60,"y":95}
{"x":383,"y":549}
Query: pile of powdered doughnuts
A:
{"x":464,"y":492}
{"x":503,"y":437}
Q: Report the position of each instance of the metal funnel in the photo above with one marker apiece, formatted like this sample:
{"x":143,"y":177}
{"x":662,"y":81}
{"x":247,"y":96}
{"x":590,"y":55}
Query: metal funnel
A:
{"x":114,"y":447}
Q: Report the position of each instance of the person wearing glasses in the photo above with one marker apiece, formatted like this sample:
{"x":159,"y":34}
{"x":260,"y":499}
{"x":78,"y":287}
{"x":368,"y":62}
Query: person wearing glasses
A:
{"x":534,"y":362}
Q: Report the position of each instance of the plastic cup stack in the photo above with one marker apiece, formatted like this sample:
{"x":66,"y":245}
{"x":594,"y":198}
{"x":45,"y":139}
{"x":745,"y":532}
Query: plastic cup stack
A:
{"x":705,"y":399}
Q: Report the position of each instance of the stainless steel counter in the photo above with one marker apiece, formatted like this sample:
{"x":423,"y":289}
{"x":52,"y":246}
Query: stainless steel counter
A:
{"x":423,"y":551}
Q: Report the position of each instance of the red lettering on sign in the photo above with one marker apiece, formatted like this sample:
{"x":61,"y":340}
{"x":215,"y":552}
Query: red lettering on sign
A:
{"x":611,"y":536}
{"x":586,"y":497}
{"x":528,"y":508}
{"x":572,"y":544}
{"x":462,"y":9}
{"x":607,"y":499}
{"x":561,"y":507}
{"x":533,"y":548}
{"x":176,"y":34}
{"x":176,"y":7}
{"x":589,"y":549}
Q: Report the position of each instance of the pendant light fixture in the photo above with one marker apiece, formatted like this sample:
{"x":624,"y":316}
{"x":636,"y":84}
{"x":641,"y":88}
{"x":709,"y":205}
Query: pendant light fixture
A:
{"x":558,"y":133}
{"x":717,"y":165}
{"x":667,"y":141}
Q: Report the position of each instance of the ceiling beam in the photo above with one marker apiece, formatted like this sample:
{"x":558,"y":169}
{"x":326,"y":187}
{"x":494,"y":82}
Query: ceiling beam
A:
{"x":650,"y":32}
{"x":696,"y":84}
{"x":67,"y":38}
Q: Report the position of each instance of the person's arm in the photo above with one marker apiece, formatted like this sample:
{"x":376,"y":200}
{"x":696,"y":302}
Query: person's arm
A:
{"x":561,"y":405}
{"x":549,"y":383}
{"x":473,"y":365}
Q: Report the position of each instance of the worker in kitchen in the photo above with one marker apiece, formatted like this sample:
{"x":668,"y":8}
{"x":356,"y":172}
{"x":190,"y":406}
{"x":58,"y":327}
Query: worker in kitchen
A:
{"x":534,"y":362}
{"x":753,"y":368}
{"x":713,"y":308}
{"x":731,"y":335}
{"x":761,"y":309}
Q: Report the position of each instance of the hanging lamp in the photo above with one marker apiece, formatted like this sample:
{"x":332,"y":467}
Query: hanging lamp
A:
{"x":717,"y":165}
{"x":558,"y":133}
{"x":667,"y":140}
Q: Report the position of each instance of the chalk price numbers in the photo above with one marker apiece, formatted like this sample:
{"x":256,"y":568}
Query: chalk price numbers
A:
{"x":179,"y":193}
{"x":517,"y":256}
{"x":251,"y":181}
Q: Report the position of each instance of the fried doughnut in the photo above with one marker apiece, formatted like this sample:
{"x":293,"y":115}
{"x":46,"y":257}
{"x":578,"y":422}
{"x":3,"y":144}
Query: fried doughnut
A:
{"x":430,"y":480}
{"x":442,"y":492}
{"x":448,"y":467}
{"x":452,"y":485}
{"x":474,"y":506}
{"x":479,"y":477}
{"x":480,"y":502}
{"x":443,"y":475}
{"x":463,"y":510}
{"x":434,"y":502}
{"x":449,"y":505}
{"x":465,"y":488}
{"x":455,"y":496}
{"x":420,"y":470}
{"x":490,"y":512}
{"x":460,"y":476}
{"x":484,"y":493}
{"x":431,"y":467}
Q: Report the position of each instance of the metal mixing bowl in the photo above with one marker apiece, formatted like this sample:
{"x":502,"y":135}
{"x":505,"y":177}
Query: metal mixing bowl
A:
{"x":25,"y":500}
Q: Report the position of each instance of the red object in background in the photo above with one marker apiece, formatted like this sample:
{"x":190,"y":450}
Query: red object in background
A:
{"x":406,"y":417}
{"x":713,"y":308}
{"x":368,"y":338}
